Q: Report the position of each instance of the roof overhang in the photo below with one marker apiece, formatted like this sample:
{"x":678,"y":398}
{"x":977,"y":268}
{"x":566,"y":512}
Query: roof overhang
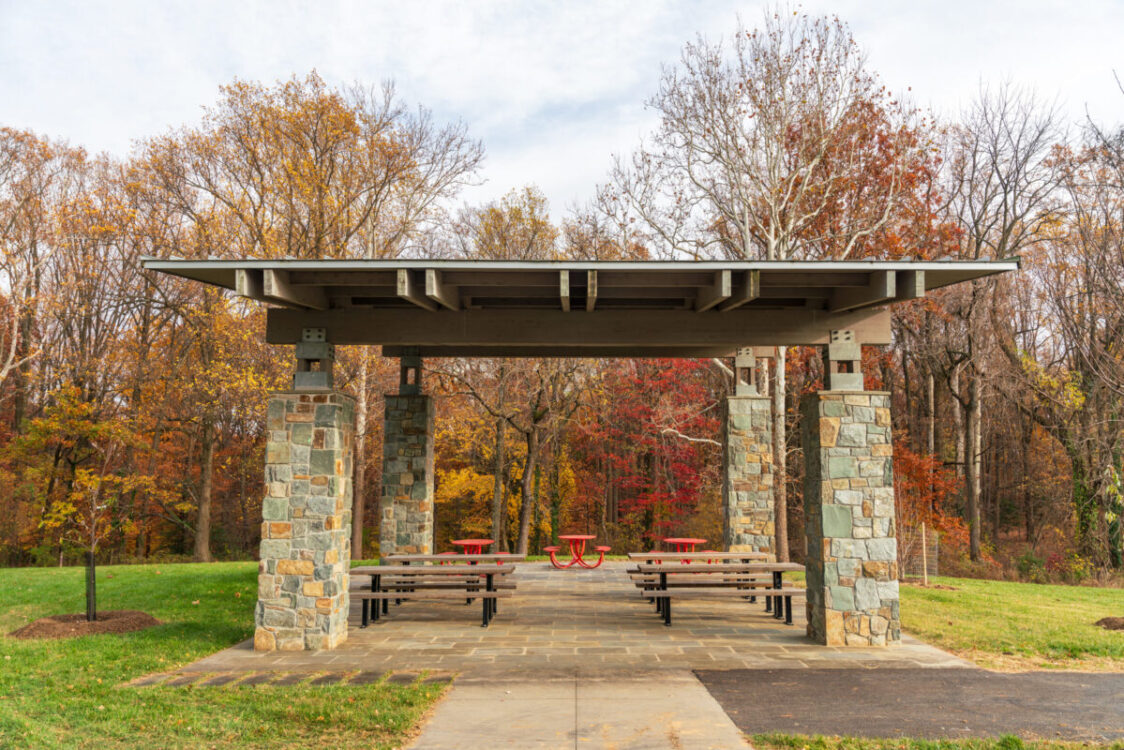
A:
{"x":577,"y":308}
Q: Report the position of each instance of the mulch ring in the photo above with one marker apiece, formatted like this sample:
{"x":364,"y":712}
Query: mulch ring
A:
{"x":72,"y":626}
{"x":1111,"y":623}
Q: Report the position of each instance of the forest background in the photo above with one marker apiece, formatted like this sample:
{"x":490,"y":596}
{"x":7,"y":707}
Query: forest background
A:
{"x":132,"y":405}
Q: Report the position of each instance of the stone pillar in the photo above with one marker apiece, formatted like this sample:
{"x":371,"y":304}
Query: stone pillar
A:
{"x":406,"y":505}
{"x":852,"y":565}
{"x":747,"y":474}
{"x":306,"y":522}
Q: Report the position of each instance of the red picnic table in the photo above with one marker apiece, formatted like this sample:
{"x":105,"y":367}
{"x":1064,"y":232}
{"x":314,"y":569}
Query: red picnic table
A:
{"x":684,"y":543}
{"x":577,"y":549}
{"x":473,"y":546}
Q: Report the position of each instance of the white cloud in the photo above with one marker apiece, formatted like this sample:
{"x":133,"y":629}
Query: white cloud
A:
{"x":552,"y":87}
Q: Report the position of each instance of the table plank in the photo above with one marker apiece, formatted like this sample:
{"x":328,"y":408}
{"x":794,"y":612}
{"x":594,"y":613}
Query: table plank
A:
{"x":762,"y":567}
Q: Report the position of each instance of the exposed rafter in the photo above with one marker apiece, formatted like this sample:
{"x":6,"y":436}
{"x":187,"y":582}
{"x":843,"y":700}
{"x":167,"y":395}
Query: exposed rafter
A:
{"x":408,"y":290}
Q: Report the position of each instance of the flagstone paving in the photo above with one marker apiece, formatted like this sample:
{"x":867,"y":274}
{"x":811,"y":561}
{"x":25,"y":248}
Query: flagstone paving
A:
{"x":569,"y":619}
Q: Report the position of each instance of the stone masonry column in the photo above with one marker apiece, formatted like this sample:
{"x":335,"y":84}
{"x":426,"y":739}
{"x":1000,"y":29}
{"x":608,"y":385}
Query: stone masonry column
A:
{"x":852,"y":566}
{"x":747,"y":463}
{"x":406,"y":504}
{"x":306,"y":522}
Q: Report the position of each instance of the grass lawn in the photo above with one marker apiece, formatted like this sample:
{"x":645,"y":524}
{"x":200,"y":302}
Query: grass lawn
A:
{"x":1018,"y":626}
{"x":797,"y":742}
{"x":66,"y":693}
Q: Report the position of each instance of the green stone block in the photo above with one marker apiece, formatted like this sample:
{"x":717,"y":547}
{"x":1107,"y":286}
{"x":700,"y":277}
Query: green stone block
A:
{"x":834,"y":409}
{"x":842,"y":467}
{"x":842,"y":598}
{"x":837,"y":521}
{"x":275,"y":509}
{"x":302,"y":433}
{"x":322,"y":463}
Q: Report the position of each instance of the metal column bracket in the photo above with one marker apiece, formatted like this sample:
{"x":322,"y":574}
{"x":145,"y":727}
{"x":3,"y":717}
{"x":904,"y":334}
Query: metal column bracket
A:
{"x":315,"y":357}
{"x":842,"y":363}
{"x":410,"y":372}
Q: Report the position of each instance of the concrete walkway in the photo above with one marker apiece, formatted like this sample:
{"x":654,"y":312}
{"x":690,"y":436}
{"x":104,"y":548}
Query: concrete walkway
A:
{"x":580,"y":709}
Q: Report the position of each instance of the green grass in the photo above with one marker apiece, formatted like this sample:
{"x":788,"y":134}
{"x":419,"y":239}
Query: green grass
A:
{"x":1009,"y":742}
{"x":67,"y":693}
{"x":1015,"y":626}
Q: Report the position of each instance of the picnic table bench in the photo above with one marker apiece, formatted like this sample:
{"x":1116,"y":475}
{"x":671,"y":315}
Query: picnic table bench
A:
{"x":432,"y":583}
{"x":661,"y":583}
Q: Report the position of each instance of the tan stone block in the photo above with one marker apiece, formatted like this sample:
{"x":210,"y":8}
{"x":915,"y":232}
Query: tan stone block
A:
{"x":868,"y":509}
{"x":280,"y":530}
{"x":854,"y":639}
{"x":879,"y":625}
{"x":856,"y":399}
{"x":332,"y":522}
{"x":850,"y":622}
{"x":882,"y":417}
{"x":319,"y":481}
{"x":295,"y":567}
{"x":264,"y":640}
{"x":840,"y":484}
{"x":308,"y":416}
{"x":864,"y":625}
{"x":313,"y":588}
{"x":858,"y":483}
{"x":877,"y":569}
{"x":833,"y":627}
{"x":290,"y":644}
{"x":882,"y":450}
{"x":332,"y":556}
{"x":324,"y":603}
{"x":829,"y":431}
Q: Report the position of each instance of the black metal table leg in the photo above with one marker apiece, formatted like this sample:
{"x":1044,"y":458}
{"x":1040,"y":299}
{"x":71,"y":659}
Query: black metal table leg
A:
{"x":788,"y":610}
{"x":778,"y":607}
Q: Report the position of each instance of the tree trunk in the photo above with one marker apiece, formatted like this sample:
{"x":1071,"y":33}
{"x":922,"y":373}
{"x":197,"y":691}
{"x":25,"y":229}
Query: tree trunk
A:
{"x":497,"y":488}
{"x":207,"y":465}
{"x":358,"y":502}
{"x":91,"y":589}
{"x":527,"y":498}
{"x":958,"y":420}
{"x":973,"y":467}
{"x":780,"y":454}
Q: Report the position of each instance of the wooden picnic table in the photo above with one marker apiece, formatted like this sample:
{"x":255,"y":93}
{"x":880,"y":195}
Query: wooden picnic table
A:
{"x":429,"y":582}
{"x":660,"y":583}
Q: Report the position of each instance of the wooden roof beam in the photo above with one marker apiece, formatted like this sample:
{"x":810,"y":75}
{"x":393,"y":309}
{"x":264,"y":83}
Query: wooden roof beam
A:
{"x":717,"y":293}
{"x":278,"y":288}
{"x":749,"y":289}
{"x":881,"y":288}
{"x":409,"y":290}
{"x":911,"y":285}
{"x":447,"y":295}
{"x":564,"y":289}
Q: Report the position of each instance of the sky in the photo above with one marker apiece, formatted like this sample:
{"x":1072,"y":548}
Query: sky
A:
{"x":553,"y":89}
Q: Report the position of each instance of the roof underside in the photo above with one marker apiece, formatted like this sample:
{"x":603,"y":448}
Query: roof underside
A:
{"x":500,"y":308}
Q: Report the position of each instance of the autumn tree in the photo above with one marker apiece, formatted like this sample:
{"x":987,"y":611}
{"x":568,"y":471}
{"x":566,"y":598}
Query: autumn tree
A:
{"x":781,"y":145}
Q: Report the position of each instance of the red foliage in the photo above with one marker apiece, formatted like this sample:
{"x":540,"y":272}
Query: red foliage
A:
{"x":632,"y":451}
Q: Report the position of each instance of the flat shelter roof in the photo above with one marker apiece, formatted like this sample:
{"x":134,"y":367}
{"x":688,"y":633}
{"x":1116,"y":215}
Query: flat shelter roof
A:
{"x":578,"y":308}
